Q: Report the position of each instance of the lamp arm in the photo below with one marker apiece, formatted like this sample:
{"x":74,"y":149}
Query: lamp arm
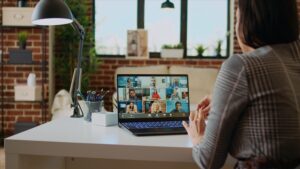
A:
{"x":79,"y":28}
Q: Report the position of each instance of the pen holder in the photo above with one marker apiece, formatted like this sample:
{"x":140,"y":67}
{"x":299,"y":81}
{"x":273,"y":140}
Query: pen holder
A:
{"x":92,"y":108}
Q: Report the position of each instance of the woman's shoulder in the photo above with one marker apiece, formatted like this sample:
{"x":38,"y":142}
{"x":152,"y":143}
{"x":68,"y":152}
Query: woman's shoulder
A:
{"x":249,"y":59}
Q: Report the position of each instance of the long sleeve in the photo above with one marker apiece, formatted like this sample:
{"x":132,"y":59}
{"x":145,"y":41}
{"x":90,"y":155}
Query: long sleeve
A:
{"x":230,"y":97}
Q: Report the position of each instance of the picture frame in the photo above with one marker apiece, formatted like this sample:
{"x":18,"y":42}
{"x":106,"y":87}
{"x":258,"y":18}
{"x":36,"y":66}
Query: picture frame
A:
{"x":137,"y":44}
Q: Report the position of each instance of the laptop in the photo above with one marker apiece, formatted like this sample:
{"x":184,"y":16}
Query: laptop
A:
{"x":153,"y":104}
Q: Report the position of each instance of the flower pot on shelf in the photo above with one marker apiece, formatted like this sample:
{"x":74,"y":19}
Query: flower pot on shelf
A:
{"x":22,"y":45}
{"x":172,"y":53}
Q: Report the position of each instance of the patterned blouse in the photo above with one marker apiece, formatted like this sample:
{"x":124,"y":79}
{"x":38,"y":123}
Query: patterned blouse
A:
{"x":255,"y":112}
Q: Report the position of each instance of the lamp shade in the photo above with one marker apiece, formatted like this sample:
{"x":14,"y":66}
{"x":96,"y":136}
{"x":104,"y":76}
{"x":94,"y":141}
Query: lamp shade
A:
{"x":51,"y":12}
{"x":167,"y":4}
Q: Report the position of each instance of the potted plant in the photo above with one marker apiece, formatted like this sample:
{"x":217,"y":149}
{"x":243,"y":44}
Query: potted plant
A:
{"x":172,"y":51}
{"x":22,"y":37}
{"x":218,"y":48}
{"x":200,"y":50}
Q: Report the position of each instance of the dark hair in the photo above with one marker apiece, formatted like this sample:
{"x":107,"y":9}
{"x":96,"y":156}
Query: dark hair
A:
{"x":266,"y":22}
{"x":177,"y":103}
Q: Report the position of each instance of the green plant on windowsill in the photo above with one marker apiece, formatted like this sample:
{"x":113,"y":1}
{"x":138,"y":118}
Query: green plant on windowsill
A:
{"x":22,"y":38}
{"x":218,"y":48}
{"x":200,"y":50}
{"x":67,"y":49}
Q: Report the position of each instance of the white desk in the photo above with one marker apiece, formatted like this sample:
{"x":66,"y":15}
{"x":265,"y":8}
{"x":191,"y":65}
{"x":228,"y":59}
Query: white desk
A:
{"x":76,"y":144}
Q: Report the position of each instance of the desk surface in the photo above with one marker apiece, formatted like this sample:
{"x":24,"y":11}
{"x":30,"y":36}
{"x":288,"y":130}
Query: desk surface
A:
{"x":77,"y":138}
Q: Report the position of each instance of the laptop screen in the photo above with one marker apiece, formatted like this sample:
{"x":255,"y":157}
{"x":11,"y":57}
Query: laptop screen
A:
{"x":152,"y":96}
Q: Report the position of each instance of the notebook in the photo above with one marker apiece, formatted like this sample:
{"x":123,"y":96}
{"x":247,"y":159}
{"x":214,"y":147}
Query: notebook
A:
{"x":153,"y":104}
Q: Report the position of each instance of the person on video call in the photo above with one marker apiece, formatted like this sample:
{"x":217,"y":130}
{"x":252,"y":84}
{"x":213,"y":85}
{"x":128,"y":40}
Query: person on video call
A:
{"x":153,"y":82}
{"x":131,"y":108}
{"x":155,"y":107}
{"x":175,"y":95}
{"x":129,"y":83}
{"x":132,"y":95}
{"x":254,"y":112}
{"x":185,"y":96}
{"x":175,"y":83}
{"x":155,"y":95}
{"x":178,"y":108}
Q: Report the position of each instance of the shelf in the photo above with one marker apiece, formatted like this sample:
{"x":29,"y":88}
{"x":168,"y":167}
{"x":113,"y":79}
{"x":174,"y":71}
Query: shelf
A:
{"x":16,"y":16}
{"x":33,"y":63}
{"x":13,"y":101}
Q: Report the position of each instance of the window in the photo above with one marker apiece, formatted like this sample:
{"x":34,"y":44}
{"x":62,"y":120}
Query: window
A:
{"x":163,"y":25}
{"x":112,"y":20}
{"x":207,"y":24}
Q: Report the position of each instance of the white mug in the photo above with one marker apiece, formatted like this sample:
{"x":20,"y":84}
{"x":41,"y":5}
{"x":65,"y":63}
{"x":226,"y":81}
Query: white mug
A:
{"x":31,"y":80}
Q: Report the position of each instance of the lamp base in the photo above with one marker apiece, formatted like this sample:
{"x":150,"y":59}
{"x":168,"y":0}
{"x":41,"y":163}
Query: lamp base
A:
{"x":76,"y":113}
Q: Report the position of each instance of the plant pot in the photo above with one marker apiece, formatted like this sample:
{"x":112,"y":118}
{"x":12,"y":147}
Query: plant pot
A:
{"x":172,"y":53}
{"x":22,"y":45}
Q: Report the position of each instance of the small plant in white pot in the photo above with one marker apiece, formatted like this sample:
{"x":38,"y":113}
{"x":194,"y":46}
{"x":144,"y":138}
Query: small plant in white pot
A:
{"x":172,"y":51}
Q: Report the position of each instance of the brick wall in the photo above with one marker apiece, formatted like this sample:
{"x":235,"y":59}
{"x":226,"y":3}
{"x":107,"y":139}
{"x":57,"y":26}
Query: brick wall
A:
{"x":17,"y":74}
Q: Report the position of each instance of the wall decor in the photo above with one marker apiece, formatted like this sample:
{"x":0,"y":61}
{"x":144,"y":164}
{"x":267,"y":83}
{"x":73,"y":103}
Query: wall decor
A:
{"x":137,"y":44}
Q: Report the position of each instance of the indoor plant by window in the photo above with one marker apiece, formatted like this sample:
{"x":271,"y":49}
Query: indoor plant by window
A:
{"x":218,"y":48}
{"x":200,"y":50}
{"x":172,"y":51}
{"x":22,"y":37}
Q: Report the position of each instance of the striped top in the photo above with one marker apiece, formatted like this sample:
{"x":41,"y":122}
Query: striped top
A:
{"x":255,"y":111}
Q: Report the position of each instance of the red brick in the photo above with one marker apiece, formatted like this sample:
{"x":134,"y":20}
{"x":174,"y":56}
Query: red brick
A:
{"x":109,"y":61}
{"x":191,"y":62}
{"x":123,"y":62}
{"x":203,"y":62}
{"x":13,"y":74}
{"x":137,"y":62}
{"x":217,"y":62}
{"x":24,"y":119}
{"x":177,"y":62}
{"x":24,"y":68}
{"x":151,"y":62}
{"x":35,"y":113}
{"x":165,"y":62}
{"x":10,"y":118}
{"x":15,"y":112}
{"x":23,"y":106}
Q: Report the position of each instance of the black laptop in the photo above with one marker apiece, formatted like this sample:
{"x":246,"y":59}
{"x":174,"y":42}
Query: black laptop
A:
{"x":153,"y":104}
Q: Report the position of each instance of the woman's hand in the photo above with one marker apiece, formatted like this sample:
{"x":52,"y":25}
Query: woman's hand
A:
{"x":196,"y":126}
{"x":205,"y":106}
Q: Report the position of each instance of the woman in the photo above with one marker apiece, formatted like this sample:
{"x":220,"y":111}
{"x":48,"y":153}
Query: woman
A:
{"x":131,"y":108}
{"x":155,"y":95}
{"x":155,"y":108}
{"x":254,"y":113}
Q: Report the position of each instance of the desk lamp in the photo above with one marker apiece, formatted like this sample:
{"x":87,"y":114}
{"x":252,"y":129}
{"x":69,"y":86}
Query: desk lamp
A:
{"x":57,"y":12}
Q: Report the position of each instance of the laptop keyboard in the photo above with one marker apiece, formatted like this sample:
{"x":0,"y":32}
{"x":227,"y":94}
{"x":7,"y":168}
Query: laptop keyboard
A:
{"x":156,"y":124}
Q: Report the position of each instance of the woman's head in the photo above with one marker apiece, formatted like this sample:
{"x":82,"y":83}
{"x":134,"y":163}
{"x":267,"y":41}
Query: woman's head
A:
{"x":266,"y":22}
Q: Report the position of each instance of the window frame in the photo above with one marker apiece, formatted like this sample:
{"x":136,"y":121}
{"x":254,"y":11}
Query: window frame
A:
{"x":183,"y":30}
